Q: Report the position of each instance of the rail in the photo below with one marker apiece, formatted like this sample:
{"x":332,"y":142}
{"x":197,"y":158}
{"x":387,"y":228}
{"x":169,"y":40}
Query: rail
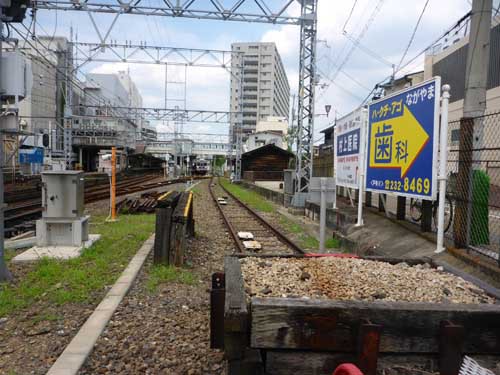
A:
{"x":282,"y":237}
{"x":19,"y":213}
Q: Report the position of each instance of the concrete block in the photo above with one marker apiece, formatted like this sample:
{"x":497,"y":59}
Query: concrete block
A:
{"x":65,"y":363}
{"x":120,"y":288}
{"x":54,"y":252}
{"x":109,"y":303}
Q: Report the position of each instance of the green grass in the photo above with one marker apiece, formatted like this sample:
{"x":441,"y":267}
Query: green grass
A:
{"x":332,"y":243}
{"x":196,"y":191}
{"x":82,"y":279}
{"x":256,"y":201}
{"x":45,"y":317}
{"x":166,"y":274}
{"x":9,"y":254}
{"x":306,"y":241}
{"x":249,"y":197}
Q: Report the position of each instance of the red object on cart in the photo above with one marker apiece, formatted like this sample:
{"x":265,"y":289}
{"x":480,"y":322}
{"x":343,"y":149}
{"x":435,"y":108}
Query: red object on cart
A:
{"x":347,"y":369}
{"x":330,"y":255}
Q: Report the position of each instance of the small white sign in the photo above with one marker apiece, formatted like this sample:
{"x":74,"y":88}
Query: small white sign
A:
{"x":348,"y":143}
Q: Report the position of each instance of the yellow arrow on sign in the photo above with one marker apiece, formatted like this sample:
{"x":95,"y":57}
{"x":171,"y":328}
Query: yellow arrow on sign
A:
{"x":397,"y":142}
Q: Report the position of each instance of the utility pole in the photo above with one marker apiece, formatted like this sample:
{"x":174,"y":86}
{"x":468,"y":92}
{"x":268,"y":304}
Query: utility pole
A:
{"x":471,"y":124}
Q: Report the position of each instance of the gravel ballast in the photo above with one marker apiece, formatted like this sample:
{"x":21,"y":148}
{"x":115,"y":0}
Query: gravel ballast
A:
{"x":356,"y":279}
{"x":166,"y":331}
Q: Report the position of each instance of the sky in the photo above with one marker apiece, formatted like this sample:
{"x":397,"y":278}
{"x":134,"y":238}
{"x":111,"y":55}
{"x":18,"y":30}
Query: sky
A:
{"x":384,"y":27}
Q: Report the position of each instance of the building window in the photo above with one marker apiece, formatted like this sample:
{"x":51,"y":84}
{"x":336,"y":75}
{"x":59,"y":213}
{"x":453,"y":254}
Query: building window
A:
{"x":455,"y":135}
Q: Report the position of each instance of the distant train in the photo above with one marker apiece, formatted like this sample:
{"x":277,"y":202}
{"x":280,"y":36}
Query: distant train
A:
{"x":200,"y":167}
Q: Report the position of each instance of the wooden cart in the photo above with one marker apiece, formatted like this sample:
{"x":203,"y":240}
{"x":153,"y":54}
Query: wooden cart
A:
{"x":312,"y":336}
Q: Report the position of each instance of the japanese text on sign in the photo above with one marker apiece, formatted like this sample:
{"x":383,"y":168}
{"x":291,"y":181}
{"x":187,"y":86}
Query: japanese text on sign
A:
{"x":402,"y":142}
{"x":348,"y":143}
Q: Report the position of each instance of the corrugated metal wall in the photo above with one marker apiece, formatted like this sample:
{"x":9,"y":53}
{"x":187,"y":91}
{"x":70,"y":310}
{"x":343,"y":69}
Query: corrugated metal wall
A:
{"x":452,"y":68}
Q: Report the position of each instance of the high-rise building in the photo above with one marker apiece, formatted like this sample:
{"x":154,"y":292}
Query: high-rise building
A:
{"x":266,"y":91}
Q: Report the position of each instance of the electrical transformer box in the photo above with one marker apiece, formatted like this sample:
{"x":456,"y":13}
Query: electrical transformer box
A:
{"x":16,"y":75}
{"x":62,"y":194}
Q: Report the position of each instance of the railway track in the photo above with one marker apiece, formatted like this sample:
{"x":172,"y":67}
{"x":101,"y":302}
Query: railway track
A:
{"x":239,"y":217}
{"x":20,"y":214}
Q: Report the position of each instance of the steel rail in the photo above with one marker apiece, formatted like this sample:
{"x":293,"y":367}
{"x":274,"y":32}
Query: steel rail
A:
{"x":93,"y":194}
{"x":236,"y":239}
{"x":256,"y":215}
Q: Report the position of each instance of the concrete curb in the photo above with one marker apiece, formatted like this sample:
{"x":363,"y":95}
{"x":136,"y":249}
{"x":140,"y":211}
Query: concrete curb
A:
{"x":75,"y":354}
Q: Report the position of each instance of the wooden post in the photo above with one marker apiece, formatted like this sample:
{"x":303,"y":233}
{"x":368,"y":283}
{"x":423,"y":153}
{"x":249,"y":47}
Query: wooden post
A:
{"x":401,"y":208}
{"x":368,"y":347}
{"x":162,"y":235}
{"x":217,"y":296}
{"x":179,"y":235}
{"x":236,"y":318}
{"x":451,"y":341}
{"x":426,"y":221}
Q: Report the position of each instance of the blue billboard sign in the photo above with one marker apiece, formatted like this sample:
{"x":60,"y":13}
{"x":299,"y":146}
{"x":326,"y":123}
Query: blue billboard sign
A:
{"x":31,"y":155}
{"x":403,"y":142}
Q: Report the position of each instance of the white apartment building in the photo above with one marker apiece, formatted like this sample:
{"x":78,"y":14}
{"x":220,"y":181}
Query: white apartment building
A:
{"x":262,"y":138}
{"x":266,"y":91}
{"x":273,"y":123}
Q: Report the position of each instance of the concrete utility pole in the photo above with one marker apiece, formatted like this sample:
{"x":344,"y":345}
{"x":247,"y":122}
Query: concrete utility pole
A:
{"x":4,"y":272}
{"x":471,"y":127}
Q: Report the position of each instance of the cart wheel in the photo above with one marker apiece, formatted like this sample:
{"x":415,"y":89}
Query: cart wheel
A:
{"x":347,"y":369}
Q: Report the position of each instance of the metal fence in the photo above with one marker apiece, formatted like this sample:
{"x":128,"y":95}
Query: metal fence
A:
{"x":474,"y":183}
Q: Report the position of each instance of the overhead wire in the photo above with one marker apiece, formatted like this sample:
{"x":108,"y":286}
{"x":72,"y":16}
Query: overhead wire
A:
{"x":420,"y":53}
{"x":350,"y":15}
{"x":413,"y":34}
{"x":339,"y":67}
{"x":358,"y":38}
{"x":340,"y":52}
{"x":55,"y":26}
{"x":70,"y":79}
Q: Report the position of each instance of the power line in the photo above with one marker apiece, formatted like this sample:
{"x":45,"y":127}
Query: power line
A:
{"x":368,"y":51}
{"x":413,"y":34}
{"x":350,"y":15}
{"x":41,"y":56}
{"x":463,"y":18}
{"x":358,"y":38}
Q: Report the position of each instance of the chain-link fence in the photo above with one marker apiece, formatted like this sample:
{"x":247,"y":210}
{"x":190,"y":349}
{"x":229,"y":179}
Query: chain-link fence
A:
{"x":473,"y":190}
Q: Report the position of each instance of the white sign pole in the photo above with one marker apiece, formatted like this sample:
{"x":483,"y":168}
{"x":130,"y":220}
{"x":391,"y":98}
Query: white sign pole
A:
{"x":443,"y":160}
{"x":334,"y":168}
{"x":322,"y":214}
{"x":362,"y":165}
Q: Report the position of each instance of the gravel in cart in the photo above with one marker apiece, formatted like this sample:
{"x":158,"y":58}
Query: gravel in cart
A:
{"x":356,"y":279}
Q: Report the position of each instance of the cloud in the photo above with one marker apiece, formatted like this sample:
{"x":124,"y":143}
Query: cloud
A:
{"x":387,"y":36}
